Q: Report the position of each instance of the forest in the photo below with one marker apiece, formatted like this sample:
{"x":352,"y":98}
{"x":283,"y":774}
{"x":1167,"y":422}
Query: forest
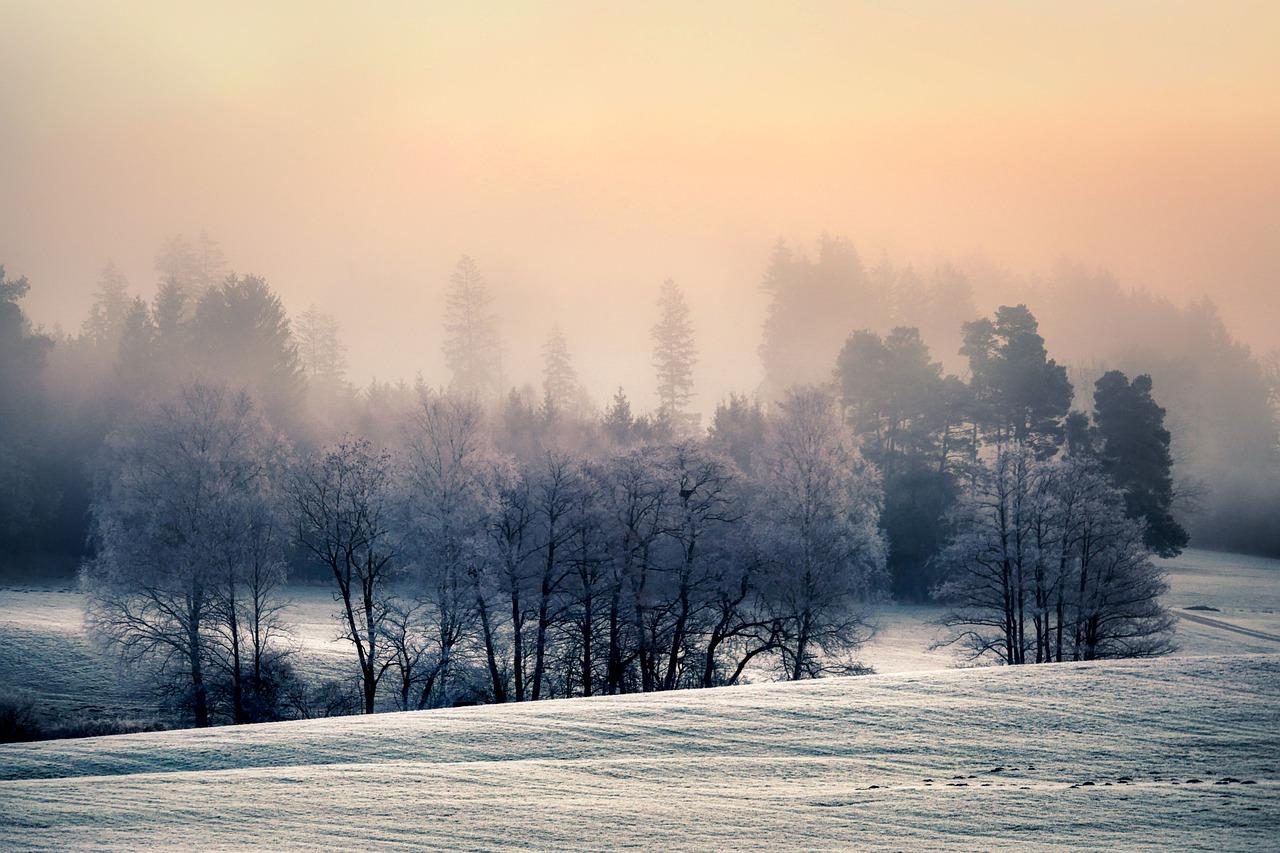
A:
{"x":192,"y":454}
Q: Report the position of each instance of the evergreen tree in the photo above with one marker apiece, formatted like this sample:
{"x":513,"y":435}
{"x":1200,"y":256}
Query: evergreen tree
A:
{"x":618,"y":422}
{"x":111,"y":305}
{"x":240,"y":334}
{"x":1133,"y":445}
{"x":738,"y":430}
{"x":472,"y":347}
{"x":674,"y":355}
{"x":904,"y":414}
{"x":1021,"y":394}
{"x":562,"y":393}
{"x":25,"y":501}
{"x":194,"y":267}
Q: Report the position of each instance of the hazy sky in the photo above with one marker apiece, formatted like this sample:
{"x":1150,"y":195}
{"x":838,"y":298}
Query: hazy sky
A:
{"x":581,"y":152}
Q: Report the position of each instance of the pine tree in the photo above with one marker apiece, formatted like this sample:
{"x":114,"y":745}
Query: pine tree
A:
{"x":561,"y":390}
{"x":1020,"y":394}
{"x":618,"y":422}
{"x":111,"y":305}
{"x":194,"y":268}
{"x":674,"y":355}
{"x":1133,"y":444}
{"x":472,"y":348}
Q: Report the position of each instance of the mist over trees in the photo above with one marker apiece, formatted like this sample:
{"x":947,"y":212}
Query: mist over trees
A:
{"x":486,"y":543}
{"x":1224,"y":426}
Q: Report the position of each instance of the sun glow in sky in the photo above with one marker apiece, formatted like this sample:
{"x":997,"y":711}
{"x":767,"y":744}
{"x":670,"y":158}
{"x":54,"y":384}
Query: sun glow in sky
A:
{"x":581,"y":152}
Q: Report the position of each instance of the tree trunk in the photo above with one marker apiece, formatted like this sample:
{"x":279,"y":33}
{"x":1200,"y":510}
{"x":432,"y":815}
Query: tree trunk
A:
{"x":517,"y":638}
{"x":588,"y":635}
{"x":199,"y":695}
{"x":544,"y":610}
{"x":491,"y":657}
{"x":677,"y":640}
{"x":613,"y":668}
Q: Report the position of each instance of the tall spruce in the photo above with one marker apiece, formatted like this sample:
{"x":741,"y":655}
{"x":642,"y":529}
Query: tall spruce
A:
{"x":561,"y":391}
{"x":674,"y":356}
{"x":472,"y":347}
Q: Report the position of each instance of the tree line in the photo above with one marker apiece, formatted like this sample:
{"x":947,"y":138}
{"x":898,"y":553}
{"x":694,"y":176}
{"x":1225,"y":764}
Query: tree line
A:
{"x":485,"y":545}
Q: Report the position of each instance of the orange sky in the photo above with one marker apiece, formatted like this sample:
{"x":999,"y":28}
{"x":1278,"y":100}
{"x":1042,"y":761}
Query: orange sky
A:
{"x":583,"y":151}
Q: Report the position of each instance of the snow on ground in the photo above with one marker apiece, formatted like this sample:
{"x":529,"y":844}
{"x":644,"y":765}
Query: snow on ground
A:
{"x":1079,"y":755}
{"x":1177,"y":753}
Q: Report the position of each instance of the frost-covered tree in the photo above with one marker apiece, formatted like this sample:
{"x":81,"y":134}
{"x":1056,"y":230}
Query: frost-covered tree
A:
{"x":674,"y":356}
{"x":702,"y":517}
{"x":178,"y":523}
{"x":343,"y":507}
{"x":472,"y":346}
{"x":557,"y":482}
{"x":823,"y":505}
{"x":447,"y":450}
{"x":500,"y":585}
{"x":1048,"y":567}
{"x":635,"y":498}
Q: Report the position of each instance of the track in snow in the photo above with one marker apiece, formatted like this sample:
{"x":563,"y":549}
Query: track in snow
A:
{"x":1227,"y":626}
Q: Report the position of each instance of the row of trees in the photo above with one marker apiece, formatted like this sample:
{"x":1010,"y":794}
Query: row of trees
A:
{"x":465,"y":573}
{"x":1034,"y":524}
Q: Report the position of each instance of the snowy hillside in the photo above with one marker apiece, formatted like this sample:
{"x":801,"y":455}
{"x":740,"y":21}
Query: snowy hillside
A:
{"x":1177,"y":753}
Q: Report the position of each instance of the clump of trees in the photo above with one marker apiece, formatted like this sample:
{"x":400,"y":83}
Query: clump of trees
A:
{"x":1051,"y":520}
{"x":1047,"y":567}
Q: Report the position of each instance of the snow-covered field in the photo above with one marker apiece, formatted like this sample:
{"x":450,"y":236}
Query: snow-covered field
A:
{"x":1182,"y":753}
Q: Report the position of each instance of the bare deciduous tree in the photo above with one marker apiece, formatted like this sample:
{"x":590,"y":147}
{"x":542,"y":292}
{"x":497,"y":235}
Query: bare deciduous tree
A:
{"x":342,"y":500}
